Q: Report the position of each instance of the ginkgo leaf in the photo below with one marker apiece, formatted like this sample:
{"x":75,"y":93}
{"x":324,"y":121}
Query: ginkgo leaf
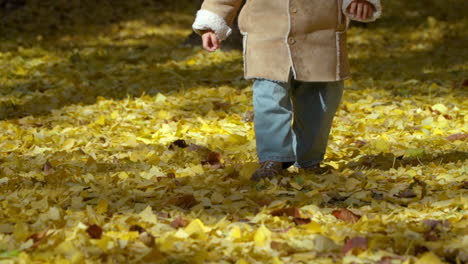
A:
{"x":197,"y":228}
{"x":262,"y":236}
{"x":118,"y":144}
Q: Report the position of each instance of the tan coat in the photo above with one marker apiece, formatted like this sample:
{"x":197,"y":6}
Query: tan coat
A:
{"x":307,"y":36}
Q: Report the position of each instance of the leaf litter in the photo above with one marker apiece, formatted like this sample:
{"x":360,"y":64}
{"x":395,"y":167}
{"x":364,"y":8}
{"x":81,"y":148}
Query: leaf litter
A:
{"x":119,"y":145}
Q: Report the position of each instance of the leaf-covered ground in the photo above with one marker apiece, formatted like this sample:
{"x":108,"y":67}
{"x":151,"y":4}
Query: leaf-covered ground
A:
{"x":119,"y":145}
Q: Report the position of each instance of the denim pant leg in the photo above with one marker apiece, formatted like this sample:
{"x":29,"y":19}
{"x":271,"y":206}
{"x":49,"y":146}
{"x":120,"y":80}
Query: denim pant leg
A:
{"x":315,"y":105}
{"x":272,"y":121}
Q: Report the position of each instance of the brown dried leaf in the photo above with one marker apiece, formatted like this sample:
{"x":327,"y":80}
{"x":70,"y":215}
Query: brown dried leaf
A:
{"x":198,"y":148}
{"x":355,"y":244}
{"x":435,"y":223}
{"x":137,"y":228}
{"x":406,"y":193}
{"x":420,"y":249}
{"x":213,"y":159}
{"x":448,"y":117}
{"x":147,"y":239}
{"x":360,"y":143}
{"x":346,"y":215}
{"x":47,"y":168}
{"x":301,"y":221}
{"x":185,"y":201}
{"x":179,"y":222}
{"x":410,"y":193}
{"x":248,"y":116}
{"x":435,"y":229}
{"x":377,"y":196}
{"x":163,"y":215}
{"x":432,"y":235}
{"x":145,"y":236}
{"x":38,"y":238}
{"x":465,"y":83}
{"x":388,"y":259}
{"x":282,"y":247}
{"x":94,"y":231}
{"x":458,"y":136}
{"x":221,"y":106}
{"x":289,"y":211}
{"x":336,"y":198}
{"x":178,"y":143}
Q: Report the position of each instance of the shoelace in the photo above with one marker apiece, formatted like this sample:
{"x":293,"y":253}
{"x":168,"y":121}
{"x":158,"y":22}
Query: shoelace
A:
{"x":269,"y":165}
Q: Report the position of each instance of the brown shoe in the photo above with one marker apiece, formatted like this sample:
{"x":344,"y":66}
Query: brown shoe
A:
{"x":268,"y":169}
{"x":318,"y":170}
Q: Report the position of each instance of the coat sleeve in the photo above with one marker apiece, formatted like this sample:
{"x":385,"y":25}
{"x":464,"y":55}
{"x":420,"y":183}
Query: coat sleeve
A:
{"x":217,"y":15}
{"x":375,"y":16}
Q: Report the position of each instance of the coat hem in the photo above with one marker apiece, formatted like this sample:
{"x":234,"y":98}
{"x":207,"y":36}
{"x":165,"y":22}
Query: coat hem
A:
{"x":341,"y":78}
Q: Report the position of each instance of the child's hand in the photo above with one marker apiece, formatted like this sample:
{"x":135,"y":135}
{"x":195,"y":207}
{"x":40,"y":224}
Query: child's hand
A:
{"x":210,"y":41}
{"x":361,"y":9}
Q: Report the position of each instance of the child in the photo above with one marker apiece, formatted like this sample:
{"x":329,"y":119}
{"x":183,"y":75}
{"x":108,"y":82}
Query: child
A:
{"x":296,"y":52}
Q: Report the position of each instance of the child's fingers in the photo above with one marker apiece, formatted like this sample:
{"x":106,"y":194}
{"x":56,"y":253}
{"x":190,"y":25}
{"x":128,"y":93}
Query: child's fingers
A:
{"x":214,"y":41}
{"x":209,"y":42}
{"x":208,"y":45}
{"x":205,"y":39}
{"x":371,"y":11}
{"x":352,"y":8}
{"x":359,"y":10}
{"x":365,"y":12}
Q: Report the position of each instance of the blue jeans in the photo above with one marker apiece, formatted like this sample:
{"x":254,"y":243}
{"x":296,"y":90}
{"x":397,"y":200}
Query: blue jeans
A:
{"x":293,"y":120}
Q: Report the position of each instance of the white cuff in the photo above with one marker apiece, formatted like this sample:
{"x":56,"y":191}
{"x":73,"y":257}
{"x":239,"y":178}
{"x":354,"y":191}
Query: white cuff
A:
{"x":207,"y":20}
{"x":375,"y":16}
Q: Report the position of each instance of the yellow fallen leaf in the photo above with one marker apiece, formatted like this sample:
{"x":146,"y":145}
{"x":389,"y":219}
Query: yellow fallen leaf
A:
{"x":123,"y":175}
{"x":382,"y":144}
{"x":351,"y":184}
{"x":295,"y":185}
{"x":147,"y":215}
{"x":21,"y":71}
{"x":313,"y":227}
{"x":102,"y":206}
{"x":262,"y":236}
{"x":105,"y":243}
{"x":247,"y":170}
{"x":441,"y":108}
{"x":191,"y":62}
{"x":217,"y":198}
{"x":115,"y":115}
{"x":236,"y":233}
{"x":53,"y":213}
{"x":442,"y":122}
{"x":429,"y":258}
{"x":68,"y":144}
{"x":167,"y":244}
{"x":72,"y":253}
{"x":26,"y":245}
{"x":121,"y":106}
{"x":196,"y":228}
{"x":160,"y":98}
{"x":241,"y":261}
{"x":276,"y":260}
{"x":8,"y":147}
{"x":153,"y":172}
{"x":415,"y":153}
{"x":181,"y":234}
{"x":101,"y":120}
